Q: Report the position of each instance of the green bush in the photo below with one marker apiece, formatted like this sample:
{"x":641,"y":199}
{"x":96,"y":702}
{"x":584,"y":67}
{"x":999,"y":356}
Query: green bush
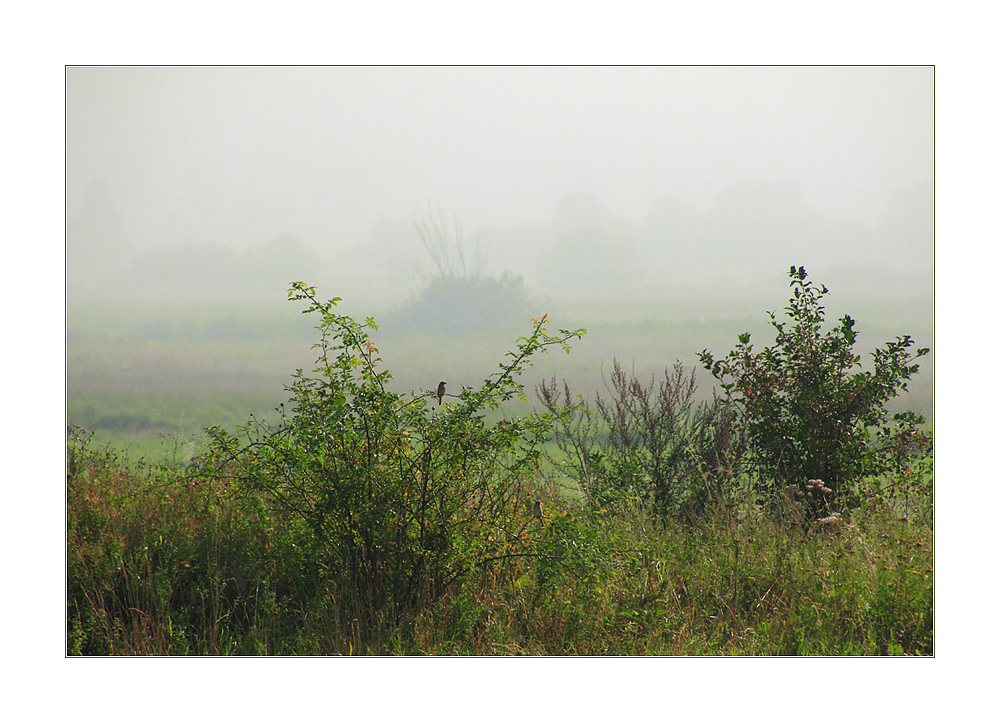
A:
{"x":403,"y":496}
{"x":810,"y":411}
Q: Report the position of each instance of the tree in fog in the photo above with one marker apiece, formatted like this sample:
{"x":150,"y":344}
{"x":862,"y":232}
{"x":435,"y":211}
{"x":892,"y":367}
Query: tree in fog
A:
{"x":461,"y":296}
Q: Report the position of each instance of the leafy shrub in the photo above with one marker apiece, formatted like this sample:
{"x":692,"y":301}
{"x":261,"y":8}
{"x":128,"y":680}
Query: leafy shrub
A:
{"x":809,"y":412}
{"x":647,"y":441}
{"x":402,"y":497}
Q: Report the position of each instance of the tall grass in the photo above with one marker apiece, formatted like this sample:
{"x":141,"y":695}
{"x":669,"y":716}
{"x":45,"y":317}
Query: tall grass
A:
{"x":164,"y":563}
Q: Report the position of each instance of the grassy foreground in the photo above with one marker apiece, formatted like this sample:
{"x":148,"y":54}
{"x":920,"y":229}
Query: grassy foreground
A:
{"x":164,"y":562}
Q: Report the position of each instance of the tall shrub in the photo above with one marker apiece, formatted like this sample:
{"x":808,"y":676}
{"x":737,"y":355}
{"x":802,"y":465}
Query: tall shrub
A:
{"x":811,"y":412}
{"x":402,"y":495}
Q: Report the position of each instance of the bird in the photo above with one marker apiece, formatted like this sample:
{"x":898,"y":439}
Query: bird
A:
{"x":440,"y":392}
{"x":538,"y":512}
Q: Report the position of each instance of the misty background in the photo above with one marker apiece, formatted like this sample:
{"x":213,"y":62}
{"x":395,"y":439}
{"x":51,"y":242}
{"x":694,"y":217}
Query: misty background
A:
{"x":660,"y":207}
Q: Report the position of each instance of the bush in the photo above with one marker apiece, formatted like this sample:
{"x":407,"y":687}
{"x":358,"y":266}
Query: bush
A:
{"x":402,"y":496}
{"x":456,"y":305}
{"x":647,"y":441}
{"x":461,"y":296}
{"x":810,"y":414}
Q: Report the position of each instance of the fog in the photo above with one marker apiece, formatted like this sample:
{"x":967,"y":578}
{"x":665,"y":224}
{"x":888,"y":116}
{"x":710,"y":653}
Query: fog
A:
{"x":240,"y":156}
{"x":653,"y":193}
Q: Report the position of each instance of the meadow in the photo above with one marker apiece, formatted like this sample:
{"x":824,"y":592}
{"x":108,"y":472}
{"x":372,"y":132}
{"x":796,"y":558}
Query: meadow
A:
{"x":174,"y":548}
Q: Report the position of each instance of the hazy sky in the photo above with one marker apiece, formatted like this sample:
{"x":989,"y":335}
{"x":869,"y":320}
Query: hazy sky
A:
{"x":245,"y":154}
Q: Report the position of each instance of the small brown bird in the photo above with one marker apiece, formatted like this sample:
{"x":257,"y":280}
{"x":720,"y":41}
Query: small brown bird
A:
{"x":538,"y":512}
{"x":440,"y":392}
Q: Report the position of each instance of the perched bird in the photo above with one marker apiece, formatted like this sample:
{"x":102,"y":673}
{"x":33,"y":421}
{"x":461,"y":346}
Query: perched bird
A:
{"x":440,"y":392}
{"x":538,"y":512}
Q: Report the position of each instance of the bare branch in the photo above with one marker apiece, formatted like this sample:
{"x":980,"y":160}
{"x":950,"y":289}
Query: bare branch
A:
{"x":445,"y":244}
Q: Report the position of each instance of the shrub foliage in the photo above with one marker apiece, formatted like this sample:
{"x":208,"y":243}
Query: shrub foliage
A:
{"x":402,"y":496}
{"x":811,"y":412}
